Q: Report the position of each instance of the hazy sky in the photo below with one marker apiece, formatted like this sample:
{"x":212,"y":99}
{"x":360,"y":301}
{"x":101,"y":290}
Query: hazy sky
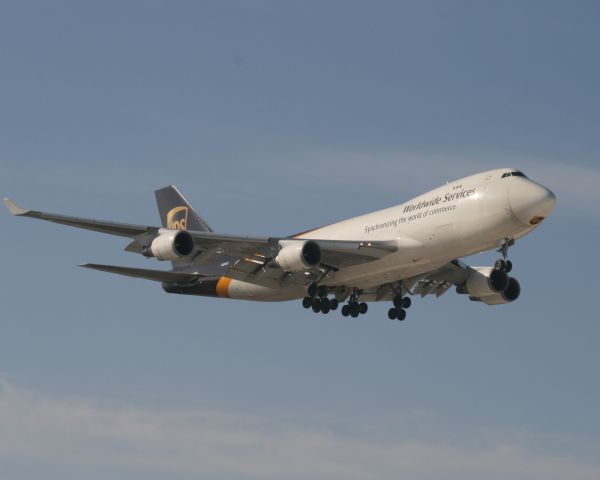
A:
{"x":274,"y":117}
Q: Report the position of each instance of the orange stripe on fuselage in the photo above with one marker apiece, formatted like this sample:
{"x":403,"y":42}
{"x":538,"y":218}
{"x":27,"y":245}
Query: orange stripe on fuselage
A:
{"x":223,"y":287}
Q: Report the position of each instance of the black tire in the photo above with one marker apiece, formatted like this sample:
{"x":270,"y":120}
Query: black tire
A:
{"x":398,"y":301}
{"x":346,"y":310}
{"x":508,"y":266}
{"x":312,"y":290}
{"x":353,"y":313}
{"x":392,"y":314}
{"x":362,"y":308}
{"x":401,"y":314}
{"x":406,"y":302}
{"x":333,"y":304}
{"x":316,"y":305}
{"x":325,"y":307}
{"x":500,"y":265}
{"x":307,"y":302}
{"x":354,"y":309}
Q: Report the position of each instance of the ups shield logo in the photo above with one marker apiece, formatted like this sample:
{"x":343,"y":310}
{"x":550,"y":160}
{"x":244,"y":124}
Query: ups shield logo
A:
{"x":177,"y":218}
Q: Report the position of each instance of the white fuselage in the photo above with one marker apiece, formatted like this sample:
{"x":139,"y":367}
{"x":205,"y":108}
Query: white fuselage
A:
{"x":461,"y":218}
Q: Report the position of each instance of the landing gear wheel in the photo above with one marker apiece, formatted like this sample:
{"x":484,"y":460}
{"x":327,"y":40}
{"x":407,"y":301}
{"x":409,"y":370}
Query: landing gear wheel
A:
{"x":398,"y":301}
{"x":333,"y":304}
{"x":307,"y":302}
{"x":406,"y":302}
{"x":500,"y":265}
{"x":508,"y":267}
{"x":392,"y":314}
{"x":346,"y":310}
{"x":312,"y":290}
{"x":362,"y":308}
{"x":316,"y":305}
{"x":401,"y":314}
{"x":353,"y":313}
{"x":325,"y":307}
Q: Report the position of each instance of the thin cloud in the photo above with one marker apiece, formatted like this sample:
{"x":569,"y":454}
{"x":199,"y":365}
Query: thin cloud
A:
{"x":37,"y":427}
{"x":345,"y":173}
{"x":414,"y":172}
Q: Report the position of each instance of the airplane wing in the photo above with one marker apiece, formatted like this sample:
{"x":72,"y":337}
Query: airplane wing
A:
{"x":248,"y":258}
{"x":113,"y":228}
{"x":435,"y":282}
{"x":254,"y":261}
{"x":334,"y":252}
{"x":439,"y":281}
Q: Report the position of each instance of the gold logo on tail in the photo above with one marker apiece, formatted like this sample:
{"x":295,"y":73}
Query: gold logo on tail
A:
{"x":177,"y":218}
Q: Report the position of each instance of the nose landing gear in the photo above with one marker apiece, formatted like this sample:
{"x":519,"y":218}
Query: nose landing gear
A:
{"x":502,"y":264}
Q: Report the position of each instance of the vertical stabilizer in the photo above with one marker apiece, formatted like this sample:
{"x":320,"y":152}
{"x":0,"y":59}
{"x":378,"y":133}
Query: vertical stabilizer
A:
{"x":176,"y":213}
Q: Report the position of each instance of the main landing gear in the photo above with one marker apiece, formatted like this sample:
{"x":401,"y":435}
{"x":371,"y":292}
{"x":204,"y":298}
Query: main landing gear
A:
{"x":502,"y":264}
{"x":398,"y":312}
{"x":317,"y":300}
{"x":353,"y":308}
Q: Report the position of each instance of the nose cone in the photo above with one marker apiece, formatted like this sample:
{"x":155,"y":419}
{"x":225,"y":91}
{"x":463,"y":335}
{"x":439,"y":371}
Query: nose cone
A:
{"x":530,"y":202}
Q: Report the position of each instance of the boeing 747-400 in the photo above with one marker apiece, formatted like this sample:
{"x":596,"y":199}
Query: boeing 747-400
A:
{"x":412,"y":249}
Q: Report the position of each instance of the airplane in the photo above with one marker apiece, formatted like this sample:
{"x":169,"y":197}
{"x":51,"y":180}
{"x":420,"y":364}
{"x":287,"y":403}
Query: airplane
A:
{"x":412,"y":249}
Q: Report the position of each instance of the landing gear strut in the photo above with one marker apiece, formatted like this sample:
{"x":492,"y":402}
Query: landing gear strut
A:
{"x":502,"y":264}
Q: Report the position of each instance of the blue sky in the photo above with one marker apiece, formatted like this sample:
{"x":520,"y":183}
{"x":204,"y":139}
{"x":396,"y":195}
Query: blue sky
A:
{"x":274,"y":117}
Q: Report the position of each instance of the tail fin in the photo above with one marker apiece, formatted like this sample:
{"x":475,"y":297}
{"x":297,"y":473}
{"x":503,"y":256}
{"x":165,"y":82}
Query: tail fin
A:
{"x":176,"y":213}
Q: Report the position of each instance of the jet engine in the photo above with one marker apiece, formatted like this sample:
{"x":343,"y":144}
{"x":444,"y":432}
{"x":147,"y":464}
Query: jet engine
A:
{"x":511,"y":293}
{"x":483,"y":281}
{"x":491,"y":286}
{"x":298,"y":255}
{"x":170,"y":245}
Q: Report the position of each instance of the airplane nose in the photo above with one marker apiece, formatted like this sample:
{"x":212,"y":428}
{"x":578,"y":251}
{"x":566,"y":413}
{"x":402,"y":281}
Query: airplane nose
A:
{"x":530,"y":202}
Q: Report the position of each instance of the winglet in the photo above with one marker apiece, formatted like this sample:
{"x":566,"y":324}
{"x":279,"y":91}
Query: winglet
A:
{"x":14,"y":208}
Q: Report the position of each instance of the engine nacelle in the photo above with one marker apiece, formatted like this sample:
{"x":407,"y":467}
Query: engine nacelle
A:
{"x":510,"y":294}
{"x":484,"y":281}
{"x":298,"y":255}
{"x":170,"y":245}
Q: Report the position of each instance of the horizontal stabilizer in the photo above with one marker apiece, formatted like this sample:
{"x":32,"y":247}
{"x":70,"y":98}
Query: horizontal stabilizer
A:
{"x":155,"y":275}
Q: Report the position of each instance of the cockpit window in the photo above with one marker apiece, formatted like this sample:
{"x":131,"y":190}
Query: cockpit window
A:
{"x":516,"y":173}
